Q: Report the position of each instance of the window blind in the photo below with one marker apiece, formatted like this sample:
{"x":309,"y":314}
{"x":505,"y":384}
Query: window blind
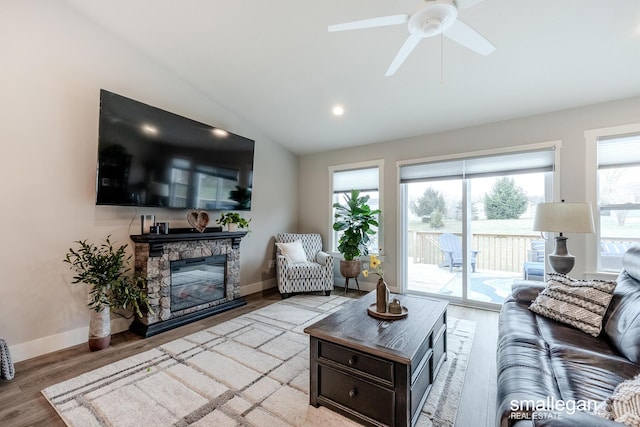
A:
{"x":619,"y":151}
{"x":355,"y":179}
{"x":481,"y":166}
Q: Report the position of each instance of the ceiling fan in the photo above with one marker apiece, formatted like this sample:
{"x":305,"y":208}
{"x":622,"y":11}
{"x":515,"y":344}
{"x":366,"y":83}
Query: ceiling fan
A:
{"x":436,"y":17}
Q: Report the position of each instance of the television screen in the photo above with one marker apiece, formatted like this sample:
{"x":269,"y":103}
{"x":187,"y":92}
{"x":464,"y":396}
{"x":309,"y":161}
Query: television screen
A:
{"x":150,"y":157}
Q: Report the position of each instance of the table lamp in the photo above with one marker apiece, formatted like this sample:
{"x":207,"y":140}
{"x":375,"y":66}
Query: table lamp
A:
{"x":570,"y":217}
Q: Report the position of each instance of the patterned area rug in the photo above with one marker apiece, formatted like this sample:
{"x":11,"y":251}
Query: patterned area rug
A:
{"x":249,"y":371}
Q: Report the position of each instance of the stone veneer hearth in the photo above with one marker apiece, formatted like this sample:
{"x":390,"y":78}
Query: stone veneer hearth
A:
{"x":153,"y":256}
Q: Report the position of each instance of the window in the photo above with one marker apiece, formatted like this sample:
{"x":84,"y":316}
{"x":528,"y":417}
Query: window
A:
{"x":467,"y":221}
{"x":366,"y":177}
{"x":618,"y":197}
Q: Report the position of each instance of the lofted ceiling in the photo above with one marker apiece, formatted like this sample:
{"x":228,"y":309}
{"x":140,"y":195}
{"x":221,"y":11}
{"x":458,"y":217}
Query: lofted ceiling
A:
{"x":274,"y":63}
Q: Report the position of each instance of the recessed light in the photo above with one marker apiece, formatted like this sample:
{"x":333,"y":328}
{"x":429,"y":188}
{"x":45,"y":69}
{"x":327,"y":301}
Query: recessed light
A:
{"x":338,"y":110}
{"x":219,"y":132}
{"x":149,"y":129}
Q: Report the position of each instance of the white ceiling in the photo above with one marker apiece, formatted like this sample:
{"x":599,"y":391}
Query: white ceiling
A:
{"x":274,"y":63}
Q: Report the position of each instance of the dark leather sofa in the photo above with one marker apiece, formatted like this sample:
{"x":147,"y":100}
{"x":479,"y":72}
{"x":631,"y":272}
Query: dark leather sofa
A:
{"x":542,"y":362}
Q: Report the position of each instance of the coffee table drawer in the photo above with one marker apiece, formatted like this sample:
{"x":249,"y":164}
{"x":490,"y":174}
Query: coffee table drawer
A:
{"x":375,"y":401}
{"x":382,"y":369}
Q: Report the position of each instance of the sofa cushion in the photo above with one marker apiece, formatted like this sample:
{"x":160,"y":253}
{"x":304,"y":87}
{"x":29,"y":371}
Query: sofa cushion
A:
{"x":305,"y":270}
{"x":623,"y":405}
{"x":579,"y":303}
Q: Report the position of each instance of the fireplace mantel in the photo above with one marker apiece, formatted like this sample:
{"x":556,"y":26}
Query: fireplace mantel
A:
{"x":156,"y":241}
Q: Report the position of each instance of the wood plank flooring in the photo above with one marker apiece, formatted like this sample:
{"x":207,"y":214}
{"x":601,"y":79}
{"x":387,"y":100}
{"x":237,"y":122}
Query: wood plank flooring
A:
{"x":22,"y":404}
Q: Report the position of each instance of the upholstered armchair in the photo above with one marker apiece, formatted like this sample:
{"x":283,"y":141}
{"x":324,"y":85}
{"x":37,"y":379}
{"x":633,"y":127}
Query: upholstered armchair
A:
{"x":301,"y":265}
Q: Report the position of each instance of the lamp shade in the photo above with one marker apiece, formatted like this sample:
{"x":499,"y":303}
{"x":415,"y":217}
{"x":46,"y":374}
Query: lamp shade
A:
{"x":569,"y":217}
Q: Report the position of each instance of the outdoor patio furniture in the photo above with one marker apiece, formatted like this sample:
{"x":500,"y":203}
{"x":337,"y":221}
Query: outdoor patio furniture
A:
{"x":534,"y":265}
{"x":451,"y":247}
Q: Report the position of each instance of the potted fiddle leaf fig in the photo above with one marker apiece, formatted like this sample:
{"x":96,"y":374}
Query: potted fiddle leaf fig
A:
{"x":356,"y":220}
{"x":233,"y":221}
{"x":105,"y":269}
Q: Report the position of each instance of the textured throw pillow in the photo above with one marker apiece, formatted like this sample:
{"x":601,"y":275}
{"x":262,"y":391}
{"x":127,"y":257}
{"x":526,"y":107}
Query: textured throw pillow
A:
{"x":293,"y":251}
{"x":624,"y":404}
{"x":579,"y":303}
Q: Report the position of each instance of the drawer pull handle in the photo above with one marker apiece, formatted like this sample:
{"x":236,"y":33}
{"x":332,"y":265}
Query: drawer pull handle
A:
{"x":353,"y":392}
{"x":353,"y":360}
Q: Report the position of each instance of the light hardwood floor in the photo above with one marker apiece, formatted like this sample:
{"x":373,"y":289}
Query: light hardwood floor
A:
{"x":22,"y":404}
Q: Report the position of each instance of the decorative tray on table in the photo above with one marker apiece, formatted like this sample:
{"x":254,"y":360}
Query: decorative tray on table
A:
{"x":387,"y":316}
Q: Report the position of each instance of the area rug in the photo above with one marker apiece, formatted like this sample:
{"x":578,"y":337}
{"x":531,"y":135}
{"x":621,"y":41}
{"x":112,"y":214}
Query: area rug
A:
{"x":249,"y":371}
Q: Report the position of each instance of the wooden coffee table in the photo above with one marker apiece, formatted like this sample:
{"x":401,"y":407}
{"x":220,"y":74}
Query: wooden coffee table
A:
{"x":377,"y":372}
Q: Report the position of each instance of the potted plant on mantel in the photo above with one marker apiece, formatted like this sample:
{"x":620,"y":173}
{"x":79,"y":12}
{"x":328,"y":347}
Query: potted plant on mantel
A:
{"x":355,"y":219}
{"x":105,"y":269}
{"x":233,"y":221}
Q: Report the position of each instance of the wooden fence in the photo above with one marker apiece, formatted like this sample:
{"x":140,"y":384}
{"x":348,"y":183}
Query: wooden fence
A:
{"x":497,"y":252}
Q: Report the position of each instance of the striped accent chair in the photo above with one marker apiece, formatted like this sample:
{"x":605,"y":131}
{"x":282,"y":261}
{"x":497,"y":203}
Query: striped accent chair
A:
{"x":314,"y":274}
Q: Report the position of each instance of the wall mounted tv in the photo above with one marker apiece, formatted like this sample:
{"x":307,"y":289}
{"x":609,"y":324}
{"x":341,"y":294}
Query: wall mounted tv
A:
{"x":150,"y":157}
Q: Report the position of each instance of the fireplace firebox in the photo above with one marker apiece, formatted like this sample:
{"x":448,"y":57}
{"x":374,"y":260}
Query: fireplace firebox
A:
{"x":197,"y":281}
{"x":190,"y":275}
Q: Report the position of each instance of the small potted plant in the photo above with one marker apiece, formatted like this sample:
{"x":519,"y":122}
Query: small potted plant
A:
{"x":356,"y":220}
{"x":233,"y":221}
{"x":104,"y":268}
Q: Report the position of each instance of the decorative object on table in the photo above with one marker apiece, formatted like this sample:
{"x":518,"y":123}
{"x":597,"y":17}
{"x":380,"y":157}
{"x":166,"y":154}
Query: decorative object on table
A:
{"x":371,"y":310}
{"x":395,"y":307}
{"x":382,"y":291}
{"x":198,"y":220}
{"x":356,"y":220}
{"x":146,"y":222}
{"x":104,"y":268}
{"x":233,"y":221}
{"x":570,"y":217}
{"x":7,"y":370}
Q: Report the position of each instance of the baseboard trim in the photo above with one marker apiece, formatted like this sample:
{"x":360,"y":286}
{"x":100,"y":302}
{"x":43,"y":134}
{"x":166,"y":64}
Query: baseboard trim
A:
{"x":40,"y":346}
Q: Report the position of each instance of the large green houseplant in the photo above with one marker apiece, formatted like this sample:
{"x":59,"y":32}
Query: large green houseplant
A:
{"x":105,"y":269}
{"x":357,"y":222}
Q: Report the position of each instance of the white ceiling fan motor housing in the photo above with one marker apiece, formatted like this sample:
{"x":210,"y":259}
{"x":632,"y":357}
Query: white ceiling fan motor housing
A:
{"x":433,"y":19}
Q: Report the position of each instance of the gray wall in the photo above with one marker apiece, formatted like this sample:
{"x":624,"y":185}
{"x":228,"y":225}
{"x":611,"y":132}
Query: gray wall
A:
{"x":54,"y":63}
{"x":567,"y":126}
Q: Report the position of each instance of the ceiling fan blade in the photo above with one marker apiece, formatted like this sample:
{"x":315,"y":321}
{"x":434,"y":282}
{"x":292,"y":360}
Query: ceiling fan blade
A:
{"x":370,"y":23}
{"x":469,"y":38}
{"x":407,"y":47}
{"x":464,"y":4}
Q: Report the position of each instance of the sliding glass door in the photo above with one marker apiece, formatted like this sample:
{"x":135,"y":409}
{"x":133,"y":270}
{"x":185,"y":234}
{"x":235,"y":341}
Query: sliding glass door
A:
{"x":467,"y":224}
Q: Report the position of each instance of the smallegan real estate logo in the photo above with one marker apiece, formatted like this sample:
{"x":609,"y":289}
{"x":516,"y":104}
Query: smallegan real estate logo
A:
{"x":553,"y":408}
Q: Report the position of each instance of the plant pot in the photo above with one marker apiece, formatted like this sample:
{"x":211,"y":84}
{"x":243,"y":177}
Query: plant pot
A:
{"x":100,"y":329}
{"x":350,"y":268}
{"x":232,"y":227}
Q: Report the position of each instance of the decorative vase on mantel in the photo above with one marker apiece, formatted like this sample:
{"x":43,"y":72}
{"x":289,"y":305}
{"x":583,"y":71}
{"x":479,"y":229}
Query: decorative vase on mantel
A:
{"x":350,"y":268}
{"x":382,"y":296}
{"x":100,"y":329}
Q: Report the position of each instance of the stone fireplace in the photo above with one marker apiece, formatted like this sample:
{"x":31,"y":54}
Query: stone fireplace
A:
{"x":190,"y":276}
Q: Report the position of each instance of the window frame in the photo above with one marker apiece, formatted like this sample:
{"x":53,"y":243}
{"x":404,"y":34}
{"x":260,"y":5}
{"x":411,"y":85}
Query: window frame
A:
{"x":333,"y":244}
{"x":552,"y":186}
{"x":591,"y":136}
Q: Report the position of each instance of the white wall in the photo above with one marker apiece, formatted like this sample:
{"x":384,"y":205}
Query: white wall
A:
{"x":567,"y":126}
{"x":53,"y":64}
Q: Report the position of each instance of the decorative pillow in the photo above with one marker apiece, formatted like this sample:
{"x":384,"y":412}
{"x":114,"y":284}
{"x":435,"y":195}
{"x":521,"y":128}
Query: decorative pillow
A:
{"x":624,"y":404}
{"x":293,"y":251}
{"x":579,"y":303}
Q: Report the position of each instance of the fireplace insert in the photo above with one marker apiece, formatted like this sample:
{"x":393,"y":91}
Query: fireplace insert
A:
{"x":197,"y":281}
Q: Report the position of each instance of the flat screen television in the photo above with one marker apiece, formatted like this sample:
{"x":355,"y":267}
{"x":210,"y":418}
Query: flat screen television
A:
{"x":153,"y":158}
